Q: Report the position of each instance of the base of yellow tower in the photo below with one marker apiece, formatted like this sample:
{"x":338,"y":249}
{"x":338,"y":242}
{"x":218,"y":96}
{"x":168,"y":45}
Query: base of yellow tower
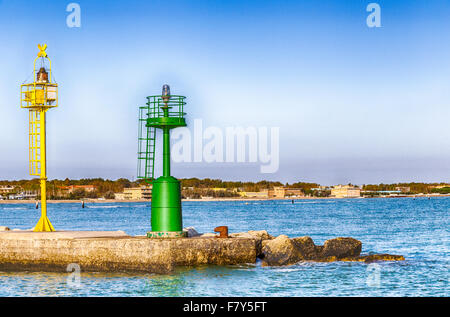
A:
{"x":43,"y":225}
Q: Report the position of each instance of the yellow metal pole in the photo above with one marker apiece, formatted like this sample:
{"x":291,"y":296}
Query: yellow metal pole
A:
{"x":44,"y":223}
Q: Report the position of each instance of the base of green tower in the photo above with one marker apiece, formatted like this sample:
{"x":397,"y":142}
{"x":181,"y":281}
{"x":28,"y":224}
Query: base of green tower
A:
{"x":166,"y":205}
{"x":166,"y":234}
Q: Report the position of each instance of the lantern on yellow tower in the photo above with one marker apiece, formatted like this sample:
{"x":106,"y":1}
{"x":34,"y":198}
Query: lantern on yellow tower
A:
{"x":38,"y":97}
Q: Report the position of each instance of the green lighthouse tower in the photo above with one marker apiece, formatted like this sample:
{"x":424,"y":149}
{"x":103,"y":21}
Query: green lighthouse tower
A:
{"x":163,"y":112}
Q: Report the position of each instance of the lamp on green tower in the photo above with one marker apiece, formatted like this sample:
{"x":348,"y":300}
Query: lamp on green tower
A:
{"x":164,"y":112}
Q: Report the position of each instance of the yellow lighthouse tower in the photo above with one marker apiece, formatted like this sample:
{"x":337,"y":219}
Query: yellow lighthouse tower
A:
{"x":38,"y":97}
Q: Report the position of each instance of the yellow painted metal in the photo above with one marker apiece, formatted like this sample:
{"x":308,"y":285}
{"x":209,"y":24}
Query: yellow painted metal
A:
{"x":35,"y":142}
{"x":38,"y":97}
{"x":42,"y":52}
{"x":44,"y":223}
{"x":44,"y":95}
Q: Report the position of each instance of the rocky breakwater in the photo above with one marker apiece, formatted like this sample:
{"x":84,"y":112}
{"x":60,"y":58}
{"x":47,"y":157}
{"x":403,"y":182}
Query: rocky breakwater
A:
{"x":115,"y":251}
{"x":282,"y":250}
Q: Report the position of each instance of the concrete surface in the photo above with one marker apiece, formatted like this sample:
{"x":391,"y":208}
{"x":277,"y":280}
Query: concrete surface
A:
{"x":115,"y":251}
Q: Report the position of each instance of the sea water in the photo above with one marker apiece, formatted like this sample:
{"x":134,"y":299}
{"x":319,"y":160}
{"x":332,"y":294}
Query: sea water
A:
{"x":417,"y":228}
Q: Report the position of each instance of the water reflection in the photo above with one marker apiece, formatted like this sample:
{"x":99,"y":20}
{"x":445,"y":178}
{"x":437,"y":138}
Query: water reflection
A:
{"x":417,"y":229}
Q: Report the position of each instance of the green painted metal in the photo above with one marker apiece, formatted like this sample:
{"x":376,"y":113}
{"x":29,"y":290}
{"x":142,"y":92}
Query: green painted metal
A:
{"x":146,"y":147}
{"x":161,"y":114}
{"x":166,"y":152}
{"x":166,"y":192}
{"x":166,"y":204}
{"x":156,"y":115}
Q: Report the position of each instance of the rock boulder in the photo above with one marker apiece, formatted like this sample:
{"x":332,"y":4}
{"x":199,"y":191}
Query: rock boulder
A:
{"x":306,"y":247}
{"x":262,"y":234}
{"x":281,"y":251}
{"x":191,"y":232}
{"x":259,"y":236}
{"x":382,"y":257}
{"x":341,"y":248}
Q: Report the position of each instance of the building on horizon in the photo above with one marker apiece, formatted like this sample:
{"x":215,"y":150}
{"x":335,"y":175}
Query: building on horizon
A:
{"x":261,"y":194}
{"x":136,"y":193}
{"x":277,"y":192}
{"x":345,"y":191}
{"x":119,"y":196}
{"x":6,"y":189}
{"x":24,"y":195}
{"x":403,"y":189}
{"x":284,"y":192}
{"x":16,"y":193}
{"x":440,"y":186}
{"x":71,"y":188}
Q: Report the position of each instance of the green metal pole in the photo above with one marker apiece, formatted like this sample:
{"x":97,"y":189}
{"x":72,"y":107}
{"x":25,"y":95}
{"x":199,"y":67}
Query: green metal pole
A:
{"x":166,"y":152}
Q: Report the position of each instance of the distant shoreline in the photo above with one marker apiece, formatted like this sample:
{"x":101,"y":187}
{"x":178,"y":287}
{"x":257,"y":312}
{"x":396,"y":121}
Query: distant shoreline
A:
{"x":97,"y":201}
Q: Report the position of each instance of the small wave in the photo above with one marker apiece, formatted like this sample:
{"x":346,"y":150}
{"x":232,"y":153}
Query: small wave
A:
{"x":286,"y":269}
{"x":14,"y":208}
{"x":296,"y":202}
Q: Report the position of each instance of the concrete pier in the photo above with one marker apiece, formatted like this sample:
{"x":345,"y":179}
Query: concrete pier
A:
{"x":115,"y":251}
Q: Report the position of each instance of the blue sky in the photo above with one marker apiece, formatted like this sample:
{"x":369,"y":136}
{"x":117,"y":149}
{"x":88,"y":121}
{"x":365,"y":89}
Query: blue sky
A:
{"x":353,"y":103}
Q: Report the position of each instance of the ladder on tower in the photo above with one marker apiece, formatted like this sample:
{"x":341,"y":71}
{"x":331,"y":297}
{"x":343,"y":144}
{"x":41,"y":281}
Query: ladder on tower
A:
{"x":146,"y":148}
{"x":35,"y":142}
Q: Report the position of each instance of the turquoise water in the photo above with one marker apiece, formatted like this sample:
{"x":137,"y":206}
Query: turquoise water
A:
{"x":416,"y":228}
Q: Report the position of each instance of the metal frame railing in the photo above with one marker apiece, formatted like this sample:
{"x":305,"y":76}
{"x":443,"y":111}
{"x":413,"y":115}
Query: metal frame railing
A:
{"x":155,"y":108}
{"x":146,"y":147}
{"x":36,"y":95}
{"x":175,"y":106}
